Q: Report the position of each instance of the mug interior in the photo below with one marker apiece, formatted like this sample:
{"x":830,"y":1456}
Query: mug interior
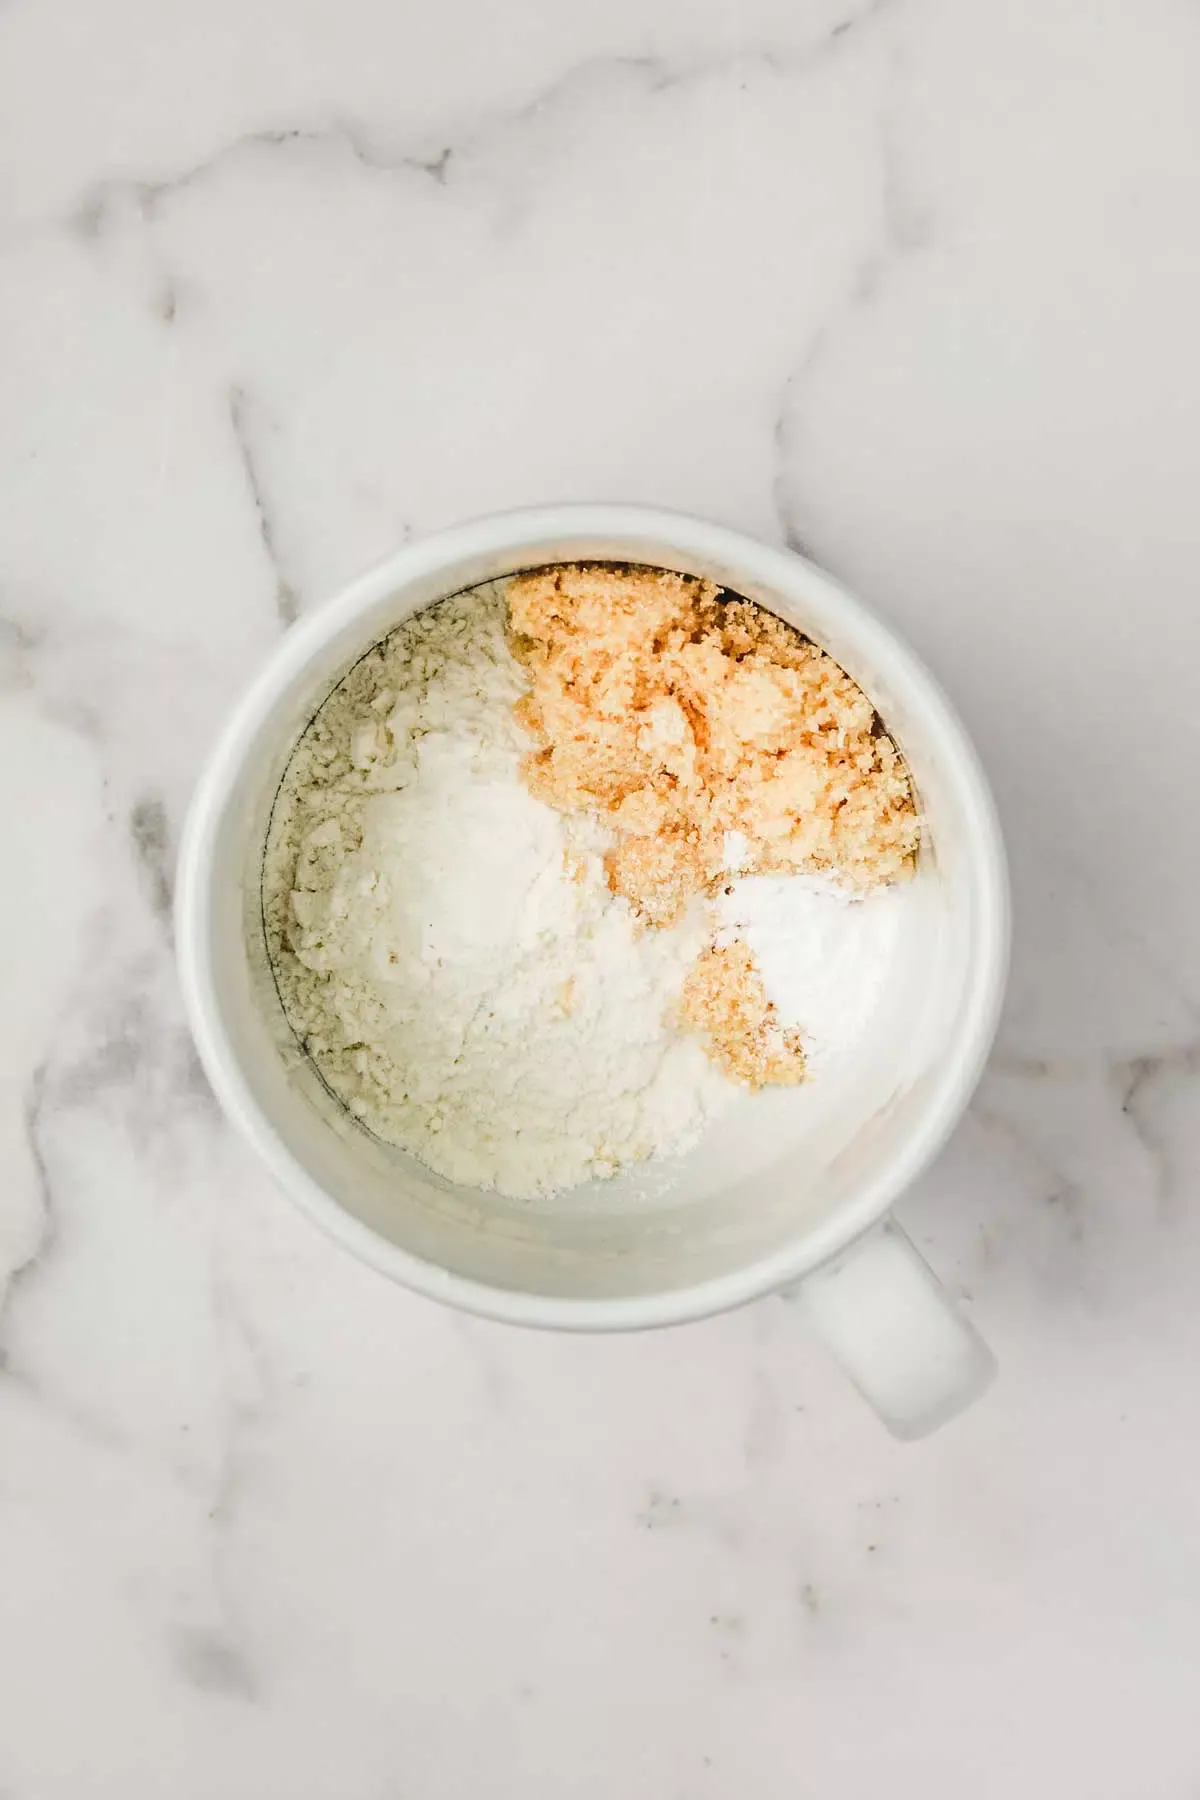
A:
{"x":785,"y":1177}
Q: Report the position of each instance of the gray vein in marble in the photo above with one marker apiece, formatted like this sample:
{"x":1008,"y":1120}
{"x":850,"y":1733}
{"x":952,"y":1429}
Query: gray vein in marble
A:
{"x":90,"y":218}
{"x":907,"y":223}
{"x":79,"y":1421}
{"x":1143,"y":1089}
{"x":213,"y":1663}
{"x":46,"y":1235}
{"x":1138,"y":1079}
{"x":782,"y":437}
{"x":905,"y":230}
{"x":166,"y":301}
{"x":32,"y":1266}
{"x":116,"y":1058}
{"x":435,"y":164}
{"x":1063,"y":1196}
{"x":128,"y":1049}
{"x":29,"y":661}
{"x":287,"y":605}
{"x":215,"y":1658}
{"x":120,"y":1052}
{"x":243,"y":1415}
{"x":18,"y":644}
{"x":149,"y":836}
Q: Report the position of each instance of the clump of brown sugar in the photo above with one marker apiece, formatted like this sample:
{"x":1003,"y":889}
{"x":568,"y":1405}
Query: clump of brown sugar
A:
{"x":725,"y":1002}
{"x":681,"y":718}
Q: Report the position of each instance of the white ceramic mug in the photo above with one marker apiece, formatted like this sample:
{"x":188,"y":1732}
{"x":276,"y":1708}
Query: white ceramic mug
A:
{"x":767,"y":1203}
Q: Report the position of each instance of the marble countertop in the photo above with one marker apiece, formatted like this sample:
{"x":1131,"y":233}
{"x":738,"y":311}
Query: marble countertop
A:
{"x":912,"y":284}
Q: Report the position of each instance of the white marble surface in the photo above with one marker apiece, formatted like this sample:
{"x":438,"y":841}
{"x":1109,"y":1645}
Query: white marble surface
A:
{"x":914,"y":284}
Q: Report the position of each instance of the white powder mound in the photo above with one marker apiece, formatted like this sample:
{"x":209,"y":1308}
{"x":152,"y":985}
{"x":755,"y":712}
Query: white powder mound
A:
{"x":824,"y":955}
{"x":447,"y":947}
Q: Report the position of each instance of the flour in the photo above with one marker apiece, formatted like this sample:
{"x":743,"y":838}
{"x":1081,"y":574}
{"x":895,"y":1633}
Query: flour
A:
{"x":824,"y":955}
{"x":447,"y":947}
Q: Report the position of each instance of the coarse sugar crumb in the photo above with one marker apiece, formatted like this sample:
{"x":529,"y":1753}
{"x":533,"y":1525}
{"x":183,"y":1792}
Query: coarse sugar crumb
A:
{"x":681,"y":717}
{"x":724,"y":1001}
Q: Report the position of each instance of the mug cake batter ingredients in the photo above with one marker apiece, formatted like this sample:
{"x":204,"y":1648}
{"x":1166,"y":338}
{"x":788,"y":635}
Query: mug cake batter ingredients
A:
{"x":448,"y":948}
{"x":533,"y":882}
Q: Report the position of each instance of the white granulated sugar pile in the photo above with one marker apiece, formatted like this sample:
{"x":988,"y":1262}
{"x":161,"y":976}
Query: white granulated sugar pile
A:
{"x":447,"y":947}
{"x":824,"y":955}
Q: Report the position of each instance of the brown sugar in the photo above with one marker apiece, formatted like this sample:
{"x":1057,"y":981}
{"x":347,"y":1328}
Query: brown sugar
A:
{"x":682,"y":719}
{"x":725,"y":1002}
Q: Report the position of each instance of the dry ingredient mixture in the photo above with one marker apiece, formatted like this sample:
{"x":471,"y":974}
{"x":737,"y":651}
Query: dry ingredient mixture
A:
{"x":710,"y":736}
{"x":531,"y":881}
{"x":447,"y":947}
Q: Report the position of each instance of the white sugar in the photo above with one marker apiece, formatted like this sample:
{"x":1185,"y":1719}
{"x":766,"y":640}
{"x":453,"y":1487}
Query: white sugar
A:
{"x":824,"y":954}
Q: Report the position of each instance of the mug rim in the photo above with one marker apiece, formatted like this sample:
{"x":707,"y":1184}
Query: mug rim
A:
{"x":509,"y":531}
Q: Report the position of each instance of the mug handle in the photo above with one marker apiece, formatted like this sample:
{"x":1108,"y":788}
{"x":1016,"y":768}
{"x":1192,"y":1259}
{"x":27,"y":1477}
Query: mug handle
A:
{"x":896,"y":1332}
